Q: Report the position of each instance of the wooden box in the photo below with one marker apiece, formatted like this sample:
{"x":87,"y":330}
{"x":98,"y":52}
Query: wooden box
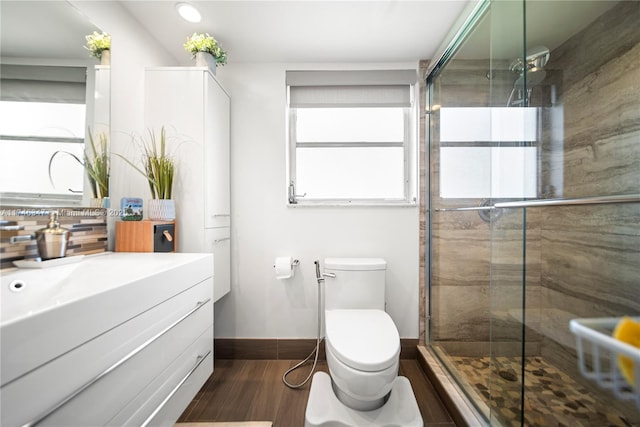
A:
{"x":146,"y":236}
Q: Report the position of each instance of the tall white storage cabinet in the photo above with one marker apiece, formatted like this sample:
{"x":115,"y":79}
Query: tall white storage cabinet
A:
{"x":195,"y":111}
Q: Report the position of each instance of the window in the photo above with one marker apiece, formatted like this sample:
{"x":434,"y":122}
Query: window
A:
{"x":351,"y":137}
{"x":43,"y":112}
{"x":34,"y":131}
{"x":492,"y":156}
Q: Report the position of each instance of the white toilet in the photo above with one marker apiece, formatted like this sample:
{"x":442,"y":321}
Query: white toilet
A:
{"x":363,"y":350}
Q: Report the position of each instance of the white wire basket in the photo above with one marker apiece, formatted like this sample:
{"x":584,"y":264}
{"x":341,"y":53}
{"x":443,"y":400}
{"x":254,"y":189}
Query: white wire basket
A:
{"x":598,"y":355}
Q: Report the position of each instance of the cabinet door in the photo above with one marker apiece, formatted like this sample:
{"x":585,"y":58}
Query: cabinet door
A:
{"x":175,"y":98}
{"x":217,"y":134}
{"x":219,"y":243}
{"x":93,"y":382}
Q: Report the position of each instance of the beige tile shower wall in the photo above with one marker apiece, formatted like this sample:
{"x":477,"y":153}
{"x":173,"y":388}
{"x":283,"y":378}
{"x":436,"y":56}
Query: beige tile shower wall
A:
{"x":88,"y":229}
{"x":591,"y":254}
{"x":515,"y":276}
{"x":478,"y":283}
{"x":598,"y":95}
{"x":459,"y":277}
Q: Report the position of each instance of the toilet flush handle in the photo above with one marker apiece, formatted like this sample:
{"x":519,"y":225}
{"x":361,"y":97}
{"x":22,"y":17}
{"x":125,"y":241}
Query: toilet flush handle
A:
{"x":332,"y":275}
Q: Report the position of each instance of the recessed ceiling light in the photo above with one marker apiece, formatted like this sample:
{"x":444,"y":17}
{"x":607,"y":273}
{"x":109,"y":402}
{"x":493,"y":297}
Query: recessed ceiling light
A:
{"x":188,"y":12}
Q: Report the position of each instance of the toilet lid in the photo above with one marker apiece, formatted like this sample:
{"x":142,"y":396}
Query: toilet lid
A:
{"x":366,"y":340}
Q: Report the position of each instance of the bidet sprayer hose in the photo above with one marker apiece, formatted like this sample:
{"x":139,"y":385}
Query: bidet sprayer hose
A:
{"x":316,"y":350}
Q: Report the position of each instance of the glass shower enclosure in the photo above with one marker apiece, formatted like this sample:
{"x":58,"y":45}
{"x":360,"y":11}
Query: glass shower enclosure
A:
{"x":534,"y":219}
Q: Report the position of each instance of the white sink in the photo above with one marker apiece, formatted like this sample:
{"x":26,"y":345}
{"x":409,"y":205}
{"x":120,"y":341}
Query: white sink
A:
{"x":47,"y":312}
{"x":25,"y":292}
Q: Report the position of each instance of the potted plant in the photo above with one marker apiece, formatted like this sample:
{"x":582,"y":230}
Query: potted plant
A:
{"x":206,"y":50}
{"x":99,"y":46}
{"x":158,"y":167}
{"x":96,"y":164}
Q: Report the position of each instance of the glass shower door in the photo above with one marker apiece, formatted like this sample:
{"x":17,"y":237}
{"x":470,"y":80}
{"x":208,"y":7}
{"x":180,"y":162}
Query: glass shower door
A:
{"x":459,"y":158}
{"x":535,"y":204}
{"x":570,"y":250}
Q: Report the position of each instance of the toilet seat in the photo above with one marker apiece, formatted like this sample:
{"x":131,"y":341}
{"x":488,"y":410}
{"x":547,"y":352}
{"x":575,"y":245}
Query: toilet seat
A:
{"x":365,"y":340}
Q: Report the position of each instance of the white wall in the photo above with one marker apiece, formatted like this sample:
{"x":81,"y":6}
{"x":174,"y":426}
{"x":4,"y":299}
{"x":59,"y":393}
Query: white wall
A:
{"x":132,"y":49}
{"x":264,"y":227}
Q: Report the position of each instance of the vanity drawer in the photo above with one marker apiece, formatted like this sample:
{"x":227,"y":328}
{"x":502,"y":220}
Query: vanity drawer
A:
{"x":181,"y":381}
{"x":122,"y":361}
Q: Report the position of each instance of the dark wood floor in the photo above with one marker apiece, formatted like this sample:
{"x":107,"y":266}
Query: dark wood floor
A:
{"x":252,"y":390}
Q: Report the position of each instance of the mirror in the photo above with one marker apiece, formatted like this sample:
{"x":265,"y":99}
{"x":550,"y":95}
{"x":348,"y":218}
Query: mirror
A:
{"x":52,"y":94}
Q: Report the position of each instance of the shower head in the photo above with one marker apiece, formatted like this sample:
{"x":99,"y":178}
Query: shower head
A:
{"x":536,"y":58}
{"x":531,"y":73}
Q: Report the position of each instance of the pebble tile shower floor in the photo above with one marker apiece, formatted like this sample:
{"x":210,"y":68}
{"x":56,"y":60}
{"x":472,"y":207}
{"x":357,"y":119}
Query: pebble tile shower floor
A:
{"x":552,"y":398}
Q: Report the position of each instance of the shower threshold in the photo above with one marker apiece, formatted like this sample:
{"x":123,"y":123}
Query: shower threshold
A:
{"x":462,"y":410}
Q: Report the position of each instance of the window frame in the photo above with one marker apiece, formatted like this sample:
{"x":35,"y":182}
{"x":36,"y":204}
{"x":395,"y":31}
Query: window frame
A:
{"x":51,"y":84}
{"x":410,"y":164}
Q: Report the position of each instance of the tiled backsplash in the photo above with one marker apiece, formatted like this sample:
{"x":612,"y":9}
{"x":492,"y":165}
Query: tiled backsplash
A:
{"x":88,"y":227}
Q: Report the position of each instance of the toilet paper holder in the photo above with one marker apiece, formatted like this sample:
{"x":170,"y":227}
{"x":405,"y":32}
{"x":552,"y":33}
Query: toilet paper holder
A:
{"x":285,"y":267}
{"x":294,"y":263}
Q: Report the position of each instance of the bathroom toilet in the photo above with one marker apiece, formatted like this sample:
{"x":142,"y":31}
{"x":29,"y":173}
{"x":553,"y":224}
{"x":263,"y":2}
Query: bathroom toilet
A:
{"x":363,"y":350}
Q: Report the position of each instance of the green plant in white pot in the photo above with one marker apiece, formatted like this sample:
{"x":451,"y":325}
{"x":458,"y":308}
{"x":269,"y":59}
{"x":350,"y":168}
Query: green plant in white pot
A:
{"x":97,"y":165}
{"x":206,"y":50}
{"x":158,"y":167}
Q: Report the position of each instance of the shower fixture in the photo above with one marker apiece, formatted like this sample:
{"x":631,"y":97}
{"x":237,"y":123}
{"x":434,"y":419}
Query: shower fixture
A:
{"x":537,"y":57}
{"x":532,"y":73}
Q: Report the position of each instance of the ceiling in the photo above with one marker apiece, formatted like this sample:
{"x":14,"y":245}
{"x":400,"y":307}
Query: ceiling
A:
{"x":307,"y":30}
{"x":298,"y":31}
{"x":42,"y":29}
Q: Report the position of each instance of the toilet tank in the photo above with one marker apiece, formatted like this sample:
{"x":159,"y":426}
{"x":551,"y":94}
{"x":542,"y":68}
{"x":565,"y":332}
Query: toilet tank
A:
{"x":359,"y":283}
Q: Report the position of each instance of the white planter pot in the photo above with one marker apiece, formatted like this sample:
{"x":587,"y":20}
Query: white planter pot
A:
{"x":205,"y":59}
{"x":99,"y":202}
{"x":161,"y":209}
{"x":105,"y":57}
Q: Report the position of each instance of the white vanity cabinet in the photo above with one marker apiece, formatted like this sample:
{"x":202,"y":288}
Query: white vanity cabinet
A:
{"x":131,"y":347}
{"x":195,"y":111}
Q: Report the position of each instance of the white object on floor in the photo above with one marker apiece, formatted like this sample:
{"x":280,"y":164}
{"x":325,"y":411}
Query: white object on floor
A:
{"x":324,"y":409}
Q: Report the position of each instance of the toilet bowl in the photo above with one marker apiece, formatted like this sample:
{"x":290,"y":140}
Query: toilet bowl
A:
{"x":362,"y":344}
{"x":363,"y":352}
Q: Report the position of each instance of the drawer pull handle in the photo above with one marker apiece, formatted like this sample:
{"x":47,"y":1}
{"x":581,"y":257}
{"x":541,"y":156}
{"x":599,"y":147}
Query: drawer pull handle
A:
{"x":175,"y":389}
{"x":111,"y":368}
{"x":221,"y":240}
